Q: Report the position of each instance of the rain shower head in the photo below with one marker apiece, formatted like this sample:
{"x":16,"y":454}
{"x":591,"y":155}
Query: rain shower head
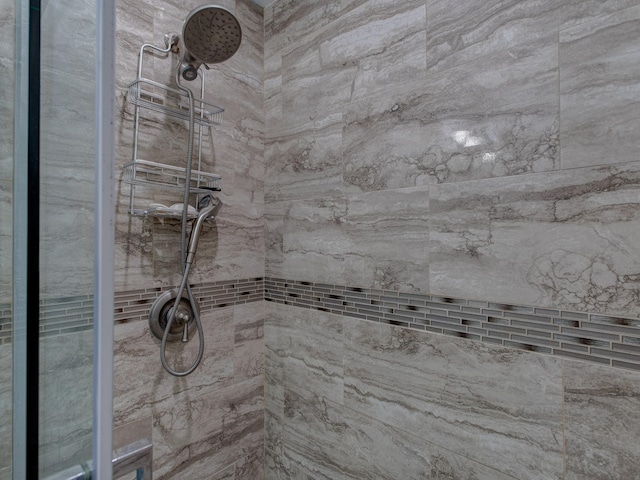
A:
{"x":211,"y":34}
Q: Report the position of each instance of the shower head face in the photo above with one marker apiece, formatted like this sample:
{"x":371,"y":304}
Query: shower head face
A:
{"x":211,"y":34}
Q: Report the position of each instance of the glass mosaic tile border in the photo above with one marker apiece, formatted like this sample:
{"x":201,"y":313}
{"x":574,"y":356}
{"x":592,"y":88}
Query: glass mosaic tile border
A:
{"x":603,"y":339}
{"x":134,"y":305}
{"x":607,"y":340}
{"x":61,"y":316}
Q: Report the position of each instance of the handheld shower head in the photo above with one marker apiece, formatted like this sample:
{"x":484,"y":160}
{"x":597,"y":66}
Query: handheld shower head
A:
{"x":211,"y":34}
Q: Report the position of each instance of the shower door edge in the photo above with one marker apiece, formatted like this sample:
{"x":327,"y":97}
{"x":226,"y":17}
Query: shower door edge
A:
{"x":104,"y":241}
{"x":20,"y":235}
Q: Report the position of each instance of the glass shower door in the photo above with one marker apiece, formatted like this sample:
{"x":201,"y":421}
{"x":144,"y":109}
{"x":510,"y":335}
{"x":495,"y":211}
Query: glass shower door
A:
{"x":7,"y":74}
{"x":67,"y":185}
{"x":51,"y":173}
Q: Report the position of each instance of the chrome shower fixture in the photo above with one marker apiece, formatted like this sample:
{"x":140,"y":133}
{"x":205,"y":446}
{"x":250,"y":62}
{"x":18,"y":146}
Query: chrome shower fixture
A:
{"x":210,"y":34}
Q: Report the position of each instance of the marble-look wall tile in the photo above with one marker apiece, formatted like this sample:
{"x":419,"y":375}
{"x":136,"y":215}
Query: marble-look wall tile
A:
{"x":277,"y":320}
{"x":251,"y":467}
{"x":315,"y":240}
{"x":464,"y":31}
{"x":305,"y":161}
{"x":68,"y":30}
{"x":7,"y":35}
{"x":228,"y":473}
{"x":7,"y":80}
{"x":311,"y":89}
{"x":6,"y":409}
{"x":328,"y":441}
{"x":240,"y":245}
{"x":493,"y":117}
{"x":230,"y":247}
{"x":561,"y":240}
{"x":600,"y":90}
{"x":348,"y":239}
{"x":272,"y":90}
{"x":287,"y":21}
{"x":313,"y":364}
{"x":390,"y":234}
{"x":66,"y":158}
{"x":197,"y":436}
{"x":574,"y":12}
{"x":134,"y":27}
{"x":498,"y":406}
{"x":132,"y":432}
{"x":248,"y":350}
{"x":233,"y":247}
{"x":137,"y":363}
{"x":384,"y":38}
{"x":66,"y":385}
{"x":274,"y":218}
{"x":602,"y":418}
{"x":6,"y":235}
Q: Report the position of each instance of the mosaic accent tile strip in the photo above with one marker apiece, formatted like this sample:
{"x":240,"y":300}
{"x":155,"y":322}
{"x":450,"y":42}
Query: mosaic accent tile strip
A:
{"x":607,"y":340}
{"x":5,"y":323}
{"x":62,"y":316}
{"x":135,"y":304}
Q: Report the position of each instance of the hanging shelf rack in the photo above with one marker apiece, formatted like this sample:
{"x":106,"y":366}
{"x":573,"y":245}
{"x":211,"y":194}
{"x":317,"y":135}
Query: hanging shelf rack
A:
{"x":151,"y":95}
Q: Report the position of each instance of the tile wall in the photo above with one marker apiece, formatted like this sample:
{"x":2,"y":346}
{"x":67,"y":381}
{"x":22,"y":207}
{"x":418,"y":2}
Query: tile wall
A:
{"x":477,"y":157}
{"x":457,"y":168}
{"x":208,"y":425}
{"x":7,"y":44}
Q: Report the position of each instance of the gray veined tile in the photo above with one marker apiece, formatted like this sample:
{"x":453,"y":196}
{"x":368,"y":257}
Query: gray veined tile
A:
{"x":137,"y":362}
{"x":346,"y":240}
{"x":274,"y":216}
{"x":315,"y":240}
{"x":558,"y":240}
{"x":7,"y":24}
{"x":237,"y":247}
{"x":385,"y":38}
{"x":602,"y":422}
{"x":68,"y":30}
{"x":251,"y":467}
{"x":463,"y":396}
{"x":493,"y":117}
{"x":389,"y":240}
{"x":313,"y":356}
{"x":600,"y":90}
{"x":287,"y":22}
{"x":328,"y":441}
{"x":197,"y":436}
{"x":65,"y":417}
{"x":6,"y":410}
{"x":305,"y":161}
{"x":462,"y":32}
{"x":574,"y":12}
{"x":228,"y":473}
{"x":248,"y":352}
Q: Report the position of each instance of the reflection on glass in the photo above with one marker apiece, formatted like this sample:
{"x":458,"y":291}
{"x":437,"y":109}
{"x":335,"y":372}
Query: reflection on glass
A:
{"x":7,"y":73}
{"x":66,"y":232}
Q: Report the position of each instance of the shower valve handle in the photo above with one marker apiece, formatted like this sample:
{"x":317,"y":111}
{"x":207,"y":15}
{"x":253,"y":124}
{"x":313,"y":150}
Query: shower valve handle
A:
{"x":185,"y":332}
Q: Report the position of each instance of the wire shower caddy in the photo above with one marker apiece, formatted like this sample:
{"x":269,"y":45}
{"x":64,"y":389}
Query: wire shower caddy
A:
{"x":145,"y":93}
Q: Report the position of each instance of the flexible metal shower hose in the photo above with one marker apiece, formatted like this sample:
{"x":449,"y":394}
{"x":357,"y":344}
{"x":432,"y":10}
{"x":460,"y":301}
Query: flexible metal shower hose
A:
{"x":183,"y":256}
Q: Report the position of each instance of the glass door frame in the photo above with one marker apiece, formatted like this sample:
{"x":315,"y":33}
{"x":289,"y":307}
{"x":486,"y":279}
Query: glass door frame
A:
{"x":26,"y":212}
